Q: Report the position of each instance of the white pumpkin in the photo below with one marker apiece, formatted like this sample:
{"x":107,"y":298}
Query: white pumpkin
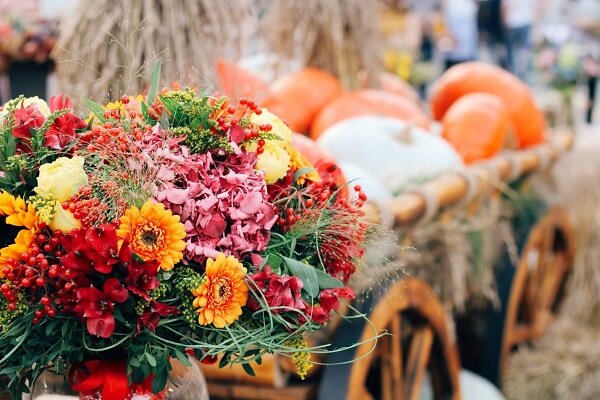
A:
{"x":377,"y":194}
{"x":398,"y":154}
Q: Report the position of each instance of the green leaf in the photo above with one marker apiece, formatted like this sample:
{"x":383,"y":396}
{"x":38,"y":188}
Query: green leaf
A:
{"x":248,"y":369}
{"x":95,"y":108}
{"x":224,"y":360}
{"x":327,"y":281}
{"x":274,"y":261}
{"x":306,"y":273}
{"x":151,"y":359}
{"x":301,"y":172}
{"x":135,"y":362}
{"x":182,"y":358}
{"x":154,"y":81}
{"x":160,"y":380}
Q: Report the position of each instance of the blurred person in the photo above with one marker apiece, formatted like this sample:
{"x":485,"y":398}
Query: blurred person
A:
{"x":585,"y":15}
{"x":491,"y":30}
{"x":519,"y":16}
{"x":462,"y":41}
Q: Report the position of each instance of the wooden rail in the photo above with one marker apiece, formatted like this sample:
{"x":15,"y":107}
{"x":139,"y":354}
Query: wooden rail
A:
{"x":451,"y":188}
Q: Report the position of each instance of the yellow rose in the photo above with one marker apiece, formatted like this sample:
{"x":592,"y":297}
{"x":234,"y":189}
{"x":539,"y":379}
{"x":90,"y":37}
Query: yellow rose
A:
{"x":274,"y":161}
{"x":63,"y":220}
{"x":277,"y":126}
{"x":62,"y":178}
{"x":41,"y":105}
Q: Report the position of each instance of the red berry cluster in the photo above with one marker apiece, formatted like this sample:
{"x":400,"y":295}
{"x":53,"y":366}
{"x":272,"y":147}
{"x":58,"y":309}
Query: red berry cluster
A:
{"x":112,"y":137}
{"x":86,"y":208}
{"x":34,"y":271}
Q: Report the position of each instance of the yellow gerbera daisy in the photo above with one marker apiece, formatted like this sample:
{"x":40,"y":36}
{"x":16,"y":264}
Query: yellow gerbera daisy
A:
{"x":223,"y":292}
{"x":153,"y":233}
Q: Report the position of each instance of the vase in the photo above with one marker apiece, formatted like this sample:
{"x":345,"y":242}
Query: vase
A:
{"x":187,"y":383}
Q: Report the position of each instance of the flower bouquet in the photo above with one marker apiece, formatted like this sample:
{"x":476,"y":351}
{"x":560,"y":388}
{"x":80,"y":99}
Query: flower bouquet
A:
{"x":163,"y":225}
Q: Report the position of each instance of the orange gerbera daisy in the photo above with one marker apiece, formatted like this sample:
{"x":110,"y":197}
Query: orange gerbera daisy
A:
{"x":223,"y":292}
{"x":17,"y":212}
{"x":153,"y":233}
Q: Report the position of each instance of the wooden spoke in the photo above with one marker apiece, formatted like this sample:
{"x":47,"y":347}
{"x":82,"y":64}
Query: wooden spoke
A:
{"x":418,"y":357}
{"x":402,"y":378}
{"x":545,"y":261}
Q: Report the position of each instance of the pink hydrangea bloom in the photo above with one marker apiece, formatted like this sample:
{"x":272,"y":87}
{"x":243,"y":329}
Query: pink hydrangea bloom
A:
{"x":221,"y":200}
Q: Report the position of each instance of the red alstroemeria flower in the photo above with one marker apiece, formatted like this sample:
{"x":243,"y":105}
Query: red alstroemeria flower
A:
{"x":328,"y":301}
{"x":96,"y":307}
{"x":329,"y":298}
{"x":141,"y":276}
{"x":88,"y":249}
{"x":150,"y":319}
{"x":27,"y":118}
{"x":279,"y":290}
{"x":64,"y":129}
{"x":316,"y":313}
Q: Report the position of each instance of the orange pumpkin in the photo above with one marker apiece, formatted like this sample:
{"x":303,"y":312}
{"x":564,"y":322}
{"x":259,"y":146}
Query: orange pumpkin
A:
{"x":394,"y":84}
{"x":391,"y":83}
{"x":469,"y":77}
{"x":297,"y":98}
{"x":368,"y":102}
{"x":236,"y":82}
{"x":476,"y":125}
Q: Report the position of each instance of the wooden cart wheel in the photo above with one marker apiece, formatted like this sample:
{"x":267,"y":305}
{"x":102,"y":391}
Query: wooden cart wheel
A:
{"x":419,"y":340}
{"x":536,"y":289}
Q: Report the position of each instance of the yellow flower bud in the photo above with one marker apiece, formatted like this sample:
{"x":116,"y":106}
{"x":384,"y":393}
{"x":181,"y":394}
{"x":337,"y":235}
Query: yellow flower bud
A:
{"x":63,"y":220}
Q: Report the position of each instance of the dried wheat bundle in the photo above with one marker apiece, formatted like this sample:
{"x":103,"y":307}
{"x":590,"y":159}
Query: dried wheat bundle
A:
{"x":107,"y":48}
{"x":456,"y":253}
{"x":342,"y":37}
{"x":564,"y":364}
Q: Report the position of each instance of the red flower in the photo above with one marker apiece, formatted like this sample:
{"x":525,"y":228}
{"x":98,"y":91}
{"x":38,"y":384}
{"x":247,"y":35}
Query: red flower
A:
{"x":27,"y":118}
{"x":89,"y":249}
{"x":141,"y":276}
{"x":64,"y":129}
{"x":151,"y":318}
{"x":316,"y":313}
{"x":96,"y":307}
{"x":328,"y":301}
{"x":329,"y":298}
{"x":279,"y":290}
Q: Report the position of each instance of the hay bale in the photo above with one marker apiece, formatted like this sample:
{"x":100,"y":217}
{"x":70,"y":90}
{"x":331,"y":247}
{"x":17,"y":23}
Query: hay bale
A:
{"x":108,"y":48}
{"x":342,"y":37}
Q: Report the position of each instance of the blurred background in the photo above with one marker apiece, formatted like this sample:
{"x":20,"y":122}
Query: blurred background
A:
{"x":502,"y":227}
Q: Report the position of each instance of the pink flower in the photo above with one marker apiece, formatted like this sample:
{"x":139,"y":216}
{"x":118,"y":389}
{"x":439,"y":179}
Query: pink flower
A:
{"x":278,"y":290}
{"x":221,"y":200}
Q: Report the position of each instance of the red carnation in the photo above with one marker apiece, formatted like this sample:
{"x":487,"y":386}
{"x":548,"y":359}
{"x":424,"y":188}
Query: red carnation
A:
{"x":96,"y":307}
{"x":279,"y":290}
